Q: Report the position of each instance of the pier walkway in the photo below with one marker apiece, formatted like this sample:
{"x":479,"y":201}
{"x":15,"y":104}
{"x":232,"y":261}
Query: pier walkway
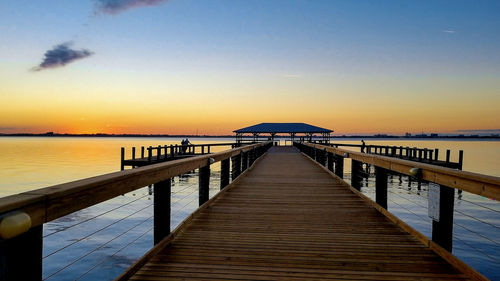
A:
{"x":287,"y":218}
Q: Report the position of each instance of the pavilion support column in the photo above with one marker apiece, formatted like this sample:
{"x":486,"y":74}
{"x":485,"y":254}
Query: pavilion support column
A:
{"x":306,"y":133}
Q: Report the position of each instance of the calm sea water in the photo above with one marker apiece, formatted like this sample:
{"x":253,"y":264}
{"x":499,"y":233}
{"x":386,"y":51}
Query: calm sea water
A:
{"x":98,"y":243}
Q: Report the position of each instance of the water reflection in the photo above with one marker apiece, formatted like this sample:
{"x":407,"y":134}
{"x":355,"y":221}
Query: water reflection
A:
{"x":98,"y":243}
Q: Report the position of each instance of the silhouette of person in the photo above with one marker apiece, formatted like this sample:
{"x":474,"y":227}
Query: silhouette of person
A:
{"x":184,"y":143}
{"x":363,"y":145}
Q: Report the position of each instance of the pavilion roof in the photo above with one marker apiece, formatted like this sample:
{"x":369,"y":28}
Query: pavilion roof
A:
{"x":283,"y":128}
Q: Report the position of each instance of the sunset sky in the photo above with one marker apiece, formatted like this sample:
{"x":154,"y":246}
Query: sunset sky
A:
{"x":212,"y":66}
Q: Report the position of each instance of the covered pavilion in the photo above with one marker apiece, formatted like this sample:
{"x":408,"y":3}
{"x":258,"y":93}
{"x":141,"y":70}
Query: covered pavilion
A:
{"x":307,"y":131}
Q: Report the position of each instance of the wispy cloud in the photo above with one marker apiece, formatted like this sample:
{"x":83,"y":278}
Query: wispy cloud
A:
{"x":479,"y":131}
{"x":449,"y":31}
{"x":292,"y":76}
{"x":117,"y":6}
{"x":61,"y":55}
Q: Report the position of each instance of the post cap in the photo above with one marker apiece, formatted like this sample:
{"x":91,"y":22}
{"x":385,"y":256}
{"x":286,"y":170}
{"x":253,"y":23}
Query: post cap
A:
{"x":13,"y":224}
{"x":415,"y":172}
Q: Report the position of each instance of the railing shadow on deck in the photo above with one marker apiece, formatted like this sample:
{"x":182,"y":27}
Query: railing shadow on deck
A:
{"x":22,"y":216}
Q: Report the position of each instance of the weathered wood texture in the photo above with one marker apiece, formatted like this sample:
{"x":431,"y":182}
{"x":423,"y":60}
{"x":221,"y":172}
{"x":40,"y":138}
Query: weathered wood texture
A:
{"x":289,"y":219}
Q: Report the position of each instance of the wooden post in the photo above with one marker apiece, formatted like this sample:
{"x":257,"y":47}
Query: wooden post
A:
{"x":158,"y":153}
{"x":133,"y":152}
{"x":330,"y":161}
{"x":162,"y":207}
{"x":460,"y":166}
{"x":142,"y":151}
{"x":166,"y":151}
{"x":244,"y":161}
{"x":339,"y":166}
{"x":149,"y":154}
{"x":203,"y":183}
{"x":251,"y":158}
{"x":202,"y":149}
{"x":21,"y":256}
{"x":172,"y":152}
{"x":442,"y":231}
{"x":356,"y":167}
{"x":122,"y":158}
{"x":236,"y":166}
{"x":381,"y":186}
{"x":224,"y":173}
{"x":436,"y":152}
{"x":448,"y":152}
{"x":208,"y":148}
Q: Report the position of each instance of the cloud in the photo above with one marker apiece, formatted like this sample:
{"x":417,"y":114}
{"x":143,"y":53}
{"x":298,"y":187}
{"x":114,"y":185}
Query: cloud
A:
{"x":479,"y":131}
{"x":449,"y":31}
{"x":292,"y":76}
{"x":116,"y":6}
{"x":61,"y":55}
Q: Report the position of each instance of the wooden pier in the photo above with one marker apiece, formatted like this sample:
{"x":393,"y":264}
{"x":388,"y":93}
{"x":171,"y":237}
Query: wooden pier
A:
{"x":290,"y":219}
{"x":162,"y":153}
{"x":418,"y":154}
{"x":286,"y":215}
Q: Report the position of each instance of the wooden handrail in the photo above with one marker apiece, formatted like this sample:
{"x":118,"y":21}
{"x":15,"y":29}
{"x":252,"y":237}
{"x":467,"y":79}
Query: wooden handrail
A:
{"x":47,"y":204}
{"x":215,"y":144}
{"x":484,"y":185}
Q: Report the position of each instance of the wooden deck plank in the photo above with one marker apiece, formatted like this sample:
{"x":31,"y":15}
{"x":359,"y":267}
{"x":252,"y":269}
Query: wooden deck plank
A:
{"x":288,"y":219}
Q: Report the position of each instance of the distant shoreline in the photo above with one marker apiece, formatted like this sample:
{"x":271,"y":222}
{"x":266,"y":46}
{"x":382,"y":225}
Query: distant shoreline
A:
{"x":378,"y":136}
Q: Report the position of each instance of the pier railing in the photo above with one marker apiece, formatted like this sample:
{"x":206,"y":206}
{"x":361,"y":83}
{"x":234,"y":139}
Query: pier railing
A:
{"x":140,"y":156}
{"x":443,"y":181}
{"x":419,"y":154}
{"x":22,"y":216}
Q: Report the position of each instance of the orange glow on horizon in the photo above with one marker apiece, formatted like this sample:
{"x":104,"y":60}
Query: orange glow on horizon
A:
{"x":223,"y":105}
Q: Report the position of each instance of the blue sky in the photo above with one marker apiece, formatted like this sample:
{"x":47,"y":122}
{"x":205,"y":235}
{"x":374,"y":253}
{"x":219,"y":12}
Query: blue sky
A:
{"x":368,"y":50}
